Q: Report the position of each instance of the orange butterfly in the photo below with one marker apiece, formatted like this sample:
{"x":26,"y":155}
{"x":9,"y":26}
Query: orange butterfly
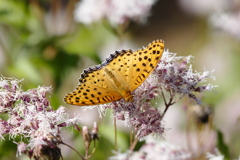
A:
{"x":117,"y":77}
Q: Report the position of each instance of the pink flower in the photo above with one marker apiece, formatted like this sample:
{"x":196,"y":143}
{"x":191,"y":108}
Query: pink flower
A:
{"x":178,"y":79}
{"x":30,"y":116}
{"x":171,"y":80}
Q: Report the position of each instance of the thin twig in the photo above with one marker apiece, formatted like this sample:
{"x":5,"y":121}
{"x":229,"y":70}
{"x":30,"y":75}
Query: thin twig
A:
{"x":164,"y":99}
{"x":131,"y":138}
{"x":167,"y":105}
{"x":133,"y":144}
{"x":74,"y":150}
{"x":94,"y":148}
{"x":86,"y":153}
{"x":115,"y":134}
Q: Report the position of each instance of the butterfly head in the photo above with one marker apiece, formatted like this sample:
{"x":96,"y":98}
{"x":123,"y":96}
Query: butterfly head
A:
{"x":129,"y":98}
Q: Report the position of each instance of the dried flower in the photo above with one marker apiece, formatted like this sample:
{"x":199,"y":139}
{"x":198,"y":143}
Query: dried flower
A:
{"x":30,"y":116}
{"x":89,"y":136}
{"x":115,"y":11}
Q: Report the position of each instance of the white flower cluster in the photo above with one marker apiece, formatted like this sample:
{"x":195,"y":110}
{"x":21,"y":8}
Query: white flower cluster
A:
{"x":176,"y":76}
{"x":31,"y":117}
{"x":228,"y":22}
{"x":115,"y":11}
{"x":154,"y":149}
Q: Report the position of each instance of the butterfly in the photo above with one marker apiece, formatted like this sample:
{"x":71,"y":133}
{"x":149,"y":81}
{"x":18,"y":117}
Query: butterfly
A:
{"x":117,"y":77}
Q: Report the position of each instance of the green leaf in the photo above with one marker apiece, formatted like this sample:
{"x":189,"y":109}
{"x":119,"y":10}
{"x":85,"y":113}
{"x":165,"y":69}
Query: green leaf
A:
{"x":223,"y":148}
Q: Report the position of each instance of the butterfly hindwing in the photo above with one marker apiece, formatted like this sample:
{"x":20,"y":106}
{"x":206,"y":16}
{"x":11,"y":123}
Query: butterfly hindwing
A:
{"x":93,"y":89}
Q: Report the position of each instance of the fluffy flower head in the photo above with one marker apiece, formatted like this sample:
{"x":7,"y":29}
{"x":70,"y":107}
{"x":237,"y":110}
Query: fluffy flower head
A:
{"x":115,"y":11}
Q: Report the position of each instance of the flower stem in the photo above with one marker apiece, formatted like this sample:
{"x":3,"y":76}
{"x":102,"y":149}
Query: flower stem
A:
{"x":133,"y":144}
{"x":170,"y":102}
{"x":115,"y":133}
{"x":74,"y":150}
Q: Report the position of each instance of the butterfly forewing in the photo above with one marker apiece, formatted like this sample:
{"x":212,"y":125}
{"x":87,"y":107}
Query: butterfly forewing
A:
{"x":144,"y":61}
{"x":120,"y":68}
{"x":93,"y":89}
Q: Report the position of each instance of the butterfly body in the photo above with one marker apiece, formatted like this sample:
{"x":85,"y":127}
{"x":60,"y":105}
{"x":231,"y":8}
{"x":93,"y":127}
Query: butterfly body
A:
{"x":117,"y":77}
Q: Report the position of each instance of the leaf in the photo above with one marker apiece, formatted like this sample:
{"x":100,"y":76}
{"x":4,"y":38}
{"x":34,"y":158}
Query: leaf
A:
{"x":223,"y":148}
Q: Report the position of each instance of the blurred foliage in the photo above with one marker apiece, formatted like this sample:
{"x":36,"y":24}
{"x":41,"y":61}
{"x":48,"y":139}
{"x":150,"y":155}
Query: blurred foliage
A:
{"x":34,"y":51}
{"x":223,"y":148}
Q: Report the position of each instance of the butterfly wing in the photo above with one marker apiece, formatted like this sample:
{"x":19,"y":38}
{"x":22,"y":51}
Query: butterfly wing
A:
{"x":131,"y":68}
{"x":118,"y":65}
{"x":93,"y":89}
{"x":144,"y":61}
{"x":117,"y":77}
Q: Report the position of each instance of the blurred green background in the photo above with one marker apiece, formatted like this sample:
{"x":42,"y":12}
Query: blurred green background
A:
{"x":41,"y":42}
